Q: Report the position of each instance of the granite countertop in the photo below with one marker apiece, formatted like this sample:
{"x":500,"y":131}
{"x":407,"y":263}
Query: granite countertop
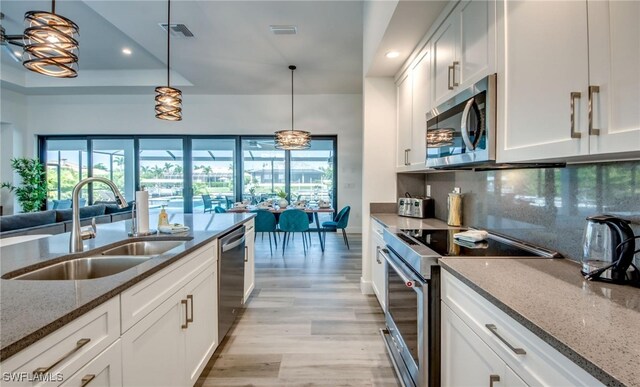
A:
{"x":596,"y":325}
{"x":30,"y":310}
{"x":403,"y":222}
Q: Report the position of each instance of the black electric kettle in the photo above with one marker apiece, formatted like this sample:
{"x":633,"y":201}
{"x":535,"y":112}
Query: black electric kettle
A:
{"x":608,"y":250}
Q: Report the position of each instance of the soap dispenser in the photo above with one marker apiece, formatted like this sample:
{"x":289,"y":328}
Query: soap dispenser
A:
{"x":163,"y":218}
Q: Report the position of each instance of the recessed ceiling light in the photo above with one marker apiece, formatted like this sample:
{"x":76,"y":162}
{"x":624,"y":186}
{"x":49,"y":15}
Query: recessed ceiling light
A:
{"x":392,"y":54}
{"x":126,"y":51}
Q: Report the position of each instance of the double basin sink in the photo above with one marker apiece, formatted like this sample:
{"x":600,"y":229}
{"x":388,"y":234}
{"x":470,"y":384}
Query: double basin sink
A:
{"x":108,"y":262}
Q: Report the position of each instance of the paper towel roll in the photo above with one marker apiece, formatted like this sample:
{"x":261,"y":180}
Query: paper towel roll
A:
{"x":142,"y":209}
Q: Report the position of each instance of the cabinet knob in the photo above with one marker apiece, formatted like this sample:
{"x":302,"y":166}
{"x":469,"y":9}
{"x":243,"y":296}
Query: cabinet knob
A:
{"x":493,"y":379}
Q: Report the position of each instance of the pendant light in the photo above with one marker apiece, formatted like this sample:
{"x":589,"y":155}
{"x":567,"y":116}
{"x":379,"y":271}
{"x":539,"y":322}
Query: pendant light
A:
{"x":50,"y":44}
{"x":168,"y":99}
{"x":292,"y":139}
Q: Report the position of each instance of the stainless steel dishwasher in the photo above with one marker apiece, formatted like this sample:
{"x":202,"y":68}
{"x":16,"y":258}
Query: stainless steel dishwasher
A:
{"x":231,"y":279}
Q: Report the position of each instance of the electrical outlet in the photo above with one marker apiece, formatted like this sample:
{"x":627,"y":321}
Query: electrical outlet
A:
{"x":457,"y":190}
{"x":428,"y":190}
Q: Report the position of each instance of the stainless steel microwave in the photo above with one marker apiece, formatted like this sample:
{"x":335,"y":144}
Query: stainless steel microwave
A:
{"x":462,"y":131}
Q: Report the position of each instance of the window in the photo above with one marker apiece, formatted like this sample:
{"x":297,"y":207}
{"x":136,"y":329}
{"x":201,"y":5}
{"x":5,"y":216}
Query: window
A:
{"x":213,"y":172}
{"x":178,"y":170}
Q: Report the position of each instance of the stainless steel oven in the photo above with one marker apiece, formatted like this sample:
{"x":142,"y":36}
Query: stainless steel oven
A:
{"x":461,"y":131}
{"x":412,"y":320}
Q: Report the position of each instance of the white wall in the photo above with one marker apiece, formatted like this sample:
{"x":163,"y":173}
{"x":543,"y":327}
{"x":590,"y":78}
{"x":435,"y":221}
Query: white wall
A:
{"x":13,"y":123}
{"x":339,"y":115}
{"x":376,"y":15}
{"x":378,"y":161}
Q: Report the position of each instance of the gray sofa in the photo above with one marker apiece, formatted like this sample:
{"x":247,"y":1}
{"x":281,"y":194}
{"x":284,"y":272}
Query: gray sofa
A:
{"x":59,"y":221}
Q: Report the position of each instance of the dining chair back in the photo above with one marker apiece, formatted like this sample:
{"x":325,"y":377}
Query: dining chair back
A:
{"x":208,"y":203}
{"x":339,"y":222}
{"x":292,"y":221}
{"x":265,"y":221}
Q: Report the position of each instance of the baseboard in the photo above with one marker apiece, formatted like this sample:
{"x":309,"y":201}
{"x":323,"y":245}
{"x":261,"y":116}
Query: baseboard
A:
{"x":365,"y":287}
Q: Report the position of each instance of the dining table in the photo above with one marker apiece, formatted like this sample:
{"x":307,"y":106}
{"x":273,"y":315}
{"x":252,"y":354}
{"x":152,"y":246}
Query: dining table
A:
{"x":278,"y":210}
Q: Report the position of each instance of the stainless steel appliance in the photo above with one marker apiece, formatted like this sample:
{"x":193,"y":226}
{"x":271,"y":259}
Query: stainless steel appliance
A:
{"x":462,"y":131}
{"x":231,"y":278}
{"x":416,"y":207}
{"x":608,"y":251}
{"x":412,"y":273}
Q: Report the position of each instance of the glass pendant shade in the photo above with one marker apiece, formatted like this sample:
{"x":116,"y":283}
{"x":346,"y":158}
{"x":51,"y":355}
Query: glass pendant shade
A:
{"x":50,"y":44}
{"x":168,"y":103}
{"x":292,"y":139}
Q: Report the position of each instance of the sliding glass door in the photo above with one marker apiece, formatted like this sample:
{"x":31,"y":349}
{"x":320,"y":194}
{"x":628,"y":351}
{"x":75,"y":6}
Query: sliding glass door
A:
{"x":162,"y":172}
{"x":213,"y":173}
{"x":180,"y":172}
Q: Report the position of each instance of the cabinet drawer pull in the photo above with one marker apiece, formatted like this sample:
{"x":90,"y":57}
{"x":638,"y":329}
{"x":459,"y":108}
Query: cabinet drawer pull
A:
{"x":592,"y":91}
{"x":190,"y":298}
{"x":378,"y":255}
{"x":186,"y":315}
{"x":449,"y":69}
{"x":86,"y":380}
{"x":574,"y":95}
{"x":246,"y":253}
{"x":493,"y":379}
{"x":494,"y":330}
{"x":81,"y":343}
{"x":453,"y":77}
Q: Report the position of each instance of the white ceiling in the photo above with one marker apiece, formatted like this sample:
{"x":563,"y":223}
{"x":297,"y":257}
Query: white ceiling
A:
{"x":233,"y":51}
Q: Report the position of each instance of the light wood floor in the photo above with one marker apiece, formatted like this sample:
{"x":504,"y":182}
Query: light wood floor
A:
{"x":306,"y":324}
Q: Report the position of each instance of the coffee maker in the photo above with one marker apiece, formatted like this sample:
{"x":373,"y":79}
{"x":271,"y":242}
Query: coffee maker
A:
{"x":608,"y":251}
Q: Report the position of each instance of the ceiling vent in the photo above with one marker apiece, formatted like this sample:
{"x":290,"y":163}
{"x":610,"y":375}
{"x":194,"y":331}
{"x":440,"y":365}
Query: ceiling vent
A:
{"x":283,"y":30}
{"x":178,"y":30}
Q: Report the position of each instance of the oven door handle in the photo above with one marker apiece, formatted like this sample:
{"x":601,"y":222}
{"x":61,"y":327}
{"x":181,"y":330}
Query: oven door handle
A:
{"x":464,"y":130}
{"x":410,"y":283}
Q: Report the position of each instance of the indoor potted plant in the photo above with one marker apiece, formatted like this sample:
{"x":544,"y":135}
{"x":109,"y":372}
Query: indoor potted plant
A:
{"x":33,"y":190}
{"x":283,"y":203}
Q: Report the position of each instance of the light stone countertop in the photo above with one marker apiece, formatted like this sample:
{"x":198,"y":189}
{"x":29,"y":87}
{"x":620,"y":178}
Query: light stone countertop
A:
{"x":30,"y":310}
{"x":403,"y":222}
{"x":596,"y":325}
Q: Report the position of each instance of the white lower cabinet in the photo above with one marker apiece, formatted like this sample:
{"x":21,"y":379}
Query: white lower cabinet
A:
{"x":171,"y":345}
{"x":480,"y":340}
{"x":467,"y":360}
{"x":378,"y":282}
{"x":105,"y":370}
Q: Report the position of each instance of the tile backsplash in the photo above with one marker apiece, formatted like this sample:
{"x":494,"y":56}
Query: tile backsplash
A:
{"x":547,"y":207}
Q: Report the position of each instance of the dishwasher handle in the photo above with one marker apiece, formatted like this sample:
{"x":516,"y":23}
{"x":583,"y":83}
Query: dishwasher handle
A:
{"x":233,"y":244}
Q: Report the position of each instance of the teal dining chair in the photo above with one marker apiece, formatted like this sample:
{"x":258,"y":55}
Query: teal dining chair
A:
{"x":292,"y":221}
{"x":266,"y":222}
{"x":219,"y":210}
{"x":340,"y":222}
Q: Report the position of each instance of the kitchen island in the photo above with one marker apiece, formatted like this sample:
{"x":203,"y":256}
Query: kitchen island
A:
{"x":35,"y":310}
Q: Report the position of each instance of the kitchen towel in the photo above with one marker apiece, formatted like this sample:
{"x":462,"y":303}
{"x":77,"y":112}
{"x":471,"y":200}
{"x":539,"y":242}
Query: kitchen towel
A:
{"x":173,"y":228}
{"x":472,"y":235}
{"x":142,"y":211}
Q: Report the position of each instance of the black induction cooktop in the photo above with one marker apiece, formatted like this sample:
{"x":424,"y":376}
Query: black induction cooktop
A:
{"x":444,"y":244}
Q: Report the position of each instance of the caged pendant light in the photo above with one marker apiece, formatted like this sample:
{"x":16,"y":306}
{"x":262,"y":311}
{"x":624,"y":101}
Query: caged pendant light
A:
{"x":292,"y":139}
{"x":50,"y":44}
{"x":168,"y":99}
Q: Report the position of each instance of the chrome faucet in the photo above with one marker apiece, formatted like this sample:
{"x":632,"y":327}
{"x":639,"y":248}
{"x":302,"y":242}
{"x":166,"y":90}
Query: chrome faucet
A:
{"x":77,"y":233}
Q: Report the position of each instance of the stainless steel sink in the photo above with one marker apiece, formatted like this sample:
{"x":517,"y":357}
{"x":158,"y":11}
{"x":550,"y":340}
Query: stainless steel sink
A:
{"x":144,"y":248}
{"x":83,"y":268}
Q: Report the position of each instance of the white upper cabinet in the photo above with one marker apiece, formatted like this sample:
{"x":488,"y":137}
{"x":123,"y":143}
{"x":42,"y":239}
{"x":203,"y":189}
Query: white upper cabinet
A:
{"x":579,"y":54}
{"x":445,"y":48}
{"x":420,"y":105}
{"x":614,"y":76}
{"x":542,"y":80}
{"x":405,"y":97}
{"x":464,"y":48}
